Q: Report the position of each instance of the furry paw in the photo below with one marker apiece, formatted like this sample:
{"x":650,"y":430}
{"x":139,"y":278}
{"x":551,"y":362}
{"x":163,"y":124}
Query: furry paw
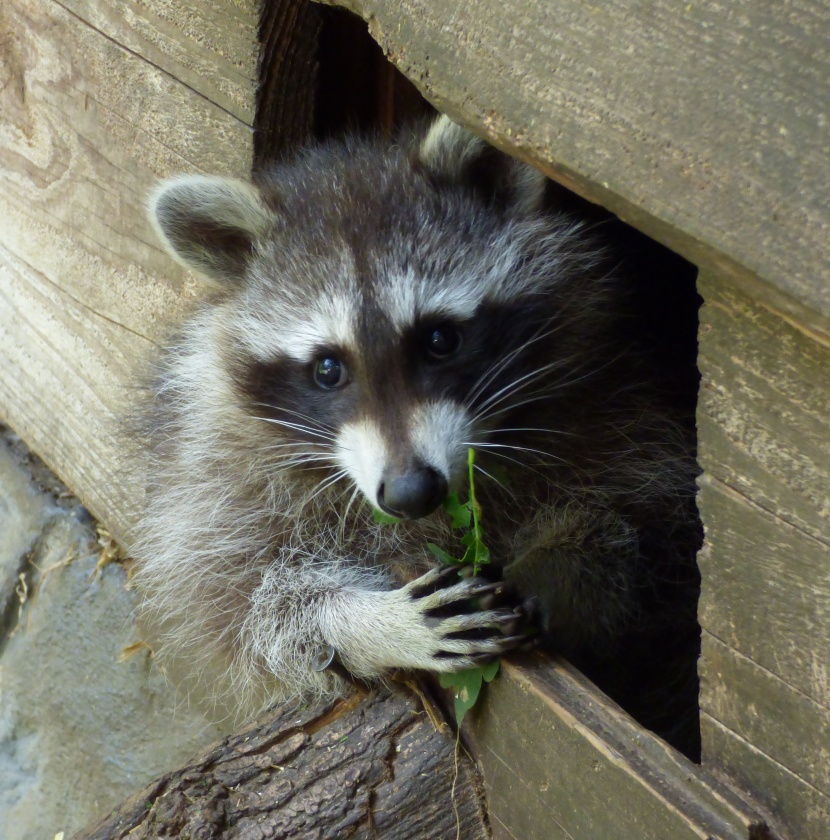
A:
{"x":439,"y":622}
{"x":470,"y":620}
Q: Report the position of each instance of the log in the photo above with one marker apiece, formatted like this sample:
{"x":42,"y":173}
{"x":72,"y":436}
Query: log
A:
{"x":373,"y":765}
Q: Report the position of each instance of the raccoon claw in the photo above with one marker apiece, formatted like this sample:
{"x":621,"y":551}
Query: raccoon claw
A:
{"x":512,"y":621}
{"x":432,"y":580}
{"x":497,"y":588}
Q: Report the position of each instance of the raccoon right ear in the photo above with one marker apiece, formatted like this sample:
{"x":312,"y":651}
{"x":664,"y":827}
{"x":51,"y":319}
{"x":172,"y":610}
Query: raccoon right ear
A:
{"x":210,"y":224}
{"x":452,"y":153}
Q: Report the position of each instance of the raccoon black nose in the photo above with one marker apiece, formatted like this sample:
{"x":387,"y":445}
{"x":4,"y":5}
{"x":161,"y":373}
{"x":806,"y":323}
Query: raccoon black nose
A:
{"x":412,"y":494}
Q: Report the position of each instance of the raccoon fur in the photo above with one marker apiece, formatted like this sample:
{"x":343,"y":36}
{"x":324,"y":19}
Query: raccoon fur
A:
{"x":379,"y":309}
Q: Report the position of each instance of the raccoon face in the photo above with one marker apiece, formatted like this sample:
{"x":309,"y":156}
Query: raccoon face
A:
{"x":380,"y":311}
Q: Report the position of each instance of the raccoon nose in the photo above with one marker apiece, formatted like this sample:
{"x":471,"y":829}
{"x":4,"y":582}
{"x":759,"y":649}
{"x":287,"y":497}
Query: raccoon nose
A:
{"x":412,"y":494}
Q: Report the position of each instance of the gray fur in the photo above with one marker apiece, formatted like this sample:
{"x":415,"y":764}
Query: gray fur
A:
{"x":251,"y":563}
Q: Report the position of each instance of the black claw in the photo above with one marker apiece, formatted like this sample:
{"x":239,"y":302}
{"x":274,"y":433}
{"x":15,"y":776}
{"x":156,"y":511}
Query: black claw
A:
{"x":514,"y":640}
{"x":445,"y":574}
{"x":508,"y":624}
{"x":479,"y":659}
{"x":496,"y":588}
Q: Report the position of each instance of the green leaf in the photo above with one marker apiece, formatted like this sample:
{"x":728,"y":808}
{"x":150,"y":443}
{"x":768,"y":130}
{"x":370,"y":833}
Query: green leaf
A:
{"x":466,"y":686}
{"x":488,"y":672}
{"x":442,"y":555}
{"x":384,"y":518}
{"x":459,"y":511}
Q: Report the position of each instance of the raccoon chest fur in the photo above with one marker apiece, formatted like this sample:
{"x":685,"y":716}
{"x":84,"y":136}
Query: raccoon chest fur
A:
{"x":378,"y":310}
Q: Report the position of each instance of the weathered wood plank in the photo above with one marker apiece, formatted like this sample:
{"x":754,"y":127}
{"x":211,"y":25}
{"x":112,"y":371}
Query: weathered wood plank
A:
{"x":766,"y":591}
{"x":561,"y":760}
{"x":801,"y":812}
{"x":289,"y":33}
{"x":764,"y":444}
{"x":702,"y":124}
{"x":208,"y":47}
{"x":770,"y":714}
{"x":764,"y":408}
{"x":88,"y":126}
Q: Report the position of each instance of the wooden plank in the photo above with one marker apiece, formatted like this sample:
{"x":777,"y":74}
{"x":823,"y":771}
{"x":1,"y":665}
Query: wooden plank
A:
{"x":803,"y":812}
{"x":100,"y":99}
{"x":289,"y":33}
{"x":766,"y":590}
{"x":770,"y":714}
{"x":208,"y":47}
{"x":702,"y":124}
{"x":88,"y":126}
{"x":764,"y":444}
{"x":764,"y":409}
{"x":561,"y":760}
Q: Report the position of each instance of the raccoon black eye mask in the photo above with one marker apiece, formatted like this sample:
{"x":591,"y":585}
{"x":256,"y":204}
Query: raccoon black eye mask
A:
{"x":379,"y":309}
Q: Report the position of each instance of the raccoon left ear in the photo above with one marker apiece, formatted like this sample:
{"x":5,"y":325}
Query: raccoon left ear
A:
{"x":210,"y":224}
{"x":454,"y":154}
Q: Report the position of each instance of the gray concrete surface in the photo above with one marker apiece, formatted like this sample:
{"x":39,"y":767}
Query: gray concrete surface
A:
{"x":81,"y":728}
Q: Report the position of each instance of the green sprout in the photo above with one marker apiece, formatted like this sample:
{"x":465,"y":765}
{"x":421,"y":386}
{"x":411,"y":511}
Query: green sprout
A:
{"x":465,"y":516}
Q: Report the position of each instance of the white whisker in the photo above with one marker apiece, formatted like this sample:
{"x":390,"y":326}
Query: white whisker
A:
{"x":297,"y":427}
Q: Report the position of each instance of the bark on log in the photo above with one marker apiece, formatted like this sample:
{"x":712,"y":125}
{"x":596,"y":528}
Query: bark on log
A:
{"x":374,"y":765}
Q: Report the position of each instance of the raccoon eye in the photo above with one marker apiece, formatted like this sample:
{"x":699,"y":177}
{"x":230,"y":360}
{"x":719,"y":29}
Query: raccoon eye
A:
{"x":330,"y":372}
{"x":443,"y":341}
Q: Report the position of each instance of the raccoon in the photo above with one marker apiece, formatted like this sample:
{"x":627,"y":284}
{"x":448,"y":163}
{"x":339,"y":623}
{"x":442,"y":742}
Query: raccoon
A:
{"x":378,"y":310}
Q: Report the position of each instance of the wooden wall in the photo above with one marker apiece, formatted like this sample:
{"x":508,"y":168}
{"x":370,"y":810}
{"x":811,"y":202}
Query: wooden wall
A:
{"x":702,"y":124}
{"x":99,"y":99}
{"x":764,"y":419}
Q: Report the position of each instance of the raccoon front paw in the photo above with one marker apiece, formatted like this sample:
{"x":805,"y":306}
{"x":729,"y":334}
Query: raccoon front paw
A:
{"x":466,"y":622}
{"x":438,"y":622}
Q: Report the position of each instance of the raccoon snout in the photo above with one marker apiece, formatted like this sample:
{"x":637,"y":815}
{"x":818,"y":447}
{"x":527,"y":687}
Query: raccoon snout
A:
{"x":412,"y":494}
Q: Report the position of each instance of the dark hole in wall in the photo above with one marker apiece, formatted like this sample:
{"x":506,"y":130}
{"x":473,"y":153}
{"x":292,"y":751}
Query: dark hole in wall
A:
{"x":359,"y":90}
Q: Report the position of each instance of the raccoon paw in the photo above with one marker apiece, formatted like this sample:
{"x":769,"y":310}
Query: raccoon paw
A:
{"x":469,"y":621}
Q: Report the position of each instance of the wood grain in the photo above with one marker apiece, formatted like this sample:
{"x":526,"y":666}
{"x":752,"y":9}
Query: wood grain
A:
{"x":801,"y":812}
{"x":765,"y":407}
{"x":703,"y":124}
{"x":561,"y":760}
{"x":766,"y":590}
{"x":764,"y":444}
{"x":367,"y":767}
{"x":210,"y":48}
{"x":776,"y":718}
{"x":289,"y":33}
{"x":86,"y":290}
{"x":764,"y":421}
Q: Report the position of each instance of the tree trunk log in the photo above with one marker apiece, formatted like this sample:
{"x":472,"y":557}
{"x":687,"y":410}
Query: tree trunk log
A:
{"x":374,"y":765}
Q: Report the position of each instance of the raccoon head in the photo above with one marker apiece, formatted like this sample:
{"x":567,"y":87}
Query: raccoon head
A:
{"x":382,"y":310}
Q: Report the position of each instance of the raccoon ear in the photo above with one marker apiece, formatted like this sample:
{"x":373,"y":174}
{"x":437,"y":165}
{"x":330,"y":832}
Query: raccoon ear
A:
{"x":452,"y":153}
{"x":209,"y":224}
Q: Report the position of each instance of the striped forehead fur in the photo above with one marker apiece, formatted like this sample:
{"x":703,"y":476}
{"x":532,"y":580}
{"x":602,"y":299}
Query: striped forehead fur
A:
{"x":294,"y":308}
{"x":455,"y":282}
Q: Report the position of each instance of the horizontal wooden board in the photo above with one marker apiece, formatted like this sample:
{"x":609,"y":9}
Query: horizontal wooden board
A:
{"x":85,"y":289}
{"x":801,"y":812}
{"x":210,"y":48}
{"x":766,"y":591}
{"x":703,"y":124}
{"x":562,"y":761}
{"x":764,"y":408}
{"x":764,"y":444}
{"x":777,"y":719}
